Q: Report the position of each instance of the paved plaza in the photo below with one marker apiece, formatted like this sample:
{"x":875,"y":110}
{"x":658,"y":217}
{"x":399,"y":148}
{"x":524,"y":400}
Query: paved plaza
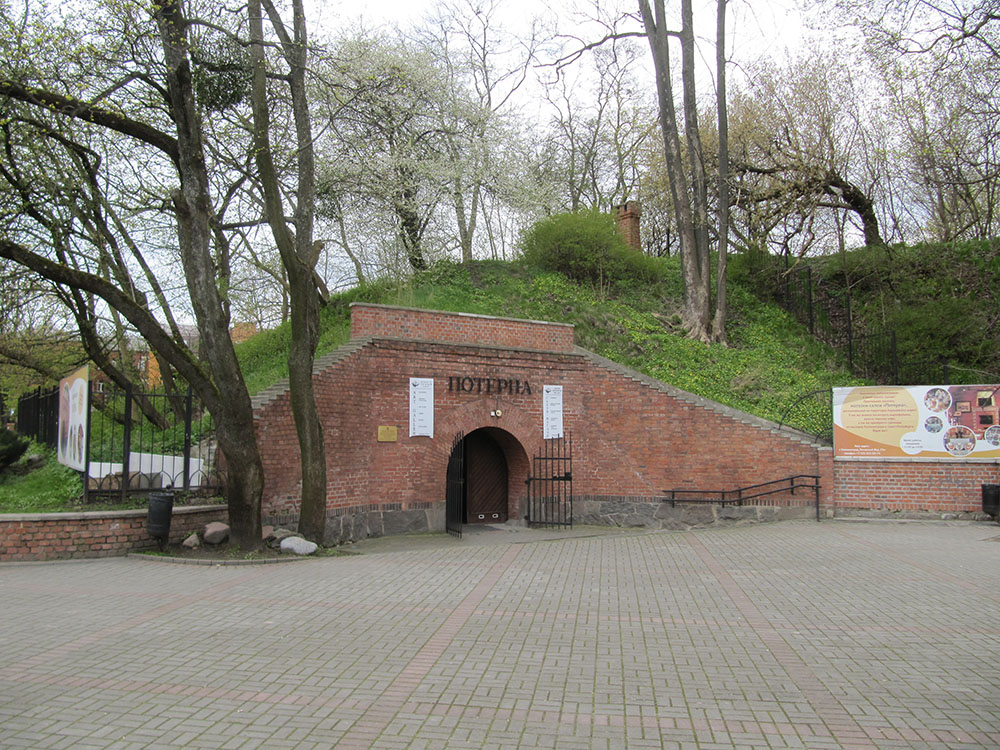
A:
{"x":786,"y":635}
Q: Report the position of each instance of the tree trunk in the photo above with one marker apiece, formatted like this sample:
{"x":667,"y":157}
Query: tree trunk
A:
{"x":299,"y":253}
{"x":719,"y":321}
{"x":233,"y":413}
{"x":696,"y":300}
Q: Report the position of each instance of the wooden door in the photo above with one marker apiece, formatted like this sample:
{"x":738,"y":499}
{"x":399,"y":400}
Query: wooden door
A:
{"x":485,"y":480}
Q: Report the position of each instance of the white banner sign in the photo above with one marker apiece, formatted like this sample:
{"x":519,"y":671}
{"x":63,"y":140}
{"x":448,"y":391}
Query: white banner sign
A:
{"x":71,"y":450}
{"x":422,"y":407}
{"x":552,"y":411}
{"x":917,"y":421}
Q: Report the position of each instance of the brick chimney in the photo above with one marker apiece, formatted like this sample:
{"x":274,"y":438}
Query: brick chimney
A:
{"x":627,"y":218}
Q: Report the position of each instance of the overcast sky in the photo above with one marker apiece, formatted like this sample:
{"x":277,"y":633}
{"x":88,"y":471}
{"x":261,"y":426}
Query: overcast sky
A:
{"x":775,"y":29}
{"x":755,"y":27}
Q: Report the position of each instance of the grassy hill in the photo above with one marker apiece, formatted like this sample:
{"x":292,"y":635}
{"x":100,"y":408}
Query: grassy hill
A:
{"x":940,"y":301}
{"x":770,"y":364}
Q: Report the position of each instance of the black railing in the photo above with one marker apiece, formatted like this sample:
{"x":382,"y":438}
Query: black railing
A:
{"x":38,"y":416}
{"x":550,"y":486}
{"x":743,"y":495}
{"x":137,"y":442}
{"x":875,"y":354}
{"x":141,"y":442}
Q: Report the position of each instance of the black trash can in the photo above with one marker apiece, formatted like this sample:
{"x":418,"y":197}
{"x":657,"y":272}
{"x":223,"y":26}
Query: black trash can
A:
{"x":161,"y":508}
{"x":991,"y":499}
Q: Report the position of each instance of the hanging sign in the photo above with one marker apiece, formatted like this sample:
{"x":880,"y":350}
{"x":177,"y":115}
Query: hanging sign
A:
{"x":422,"y":407}
{"x":927,"y":421}
{"x":552,"y":411}
{"x":71,"y":450}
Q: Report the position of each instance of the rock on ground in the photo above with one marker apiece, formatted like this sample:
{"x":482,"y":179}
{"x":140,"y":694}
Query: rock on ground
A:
{"x":215,"y":532}
{"x":298,"y":545}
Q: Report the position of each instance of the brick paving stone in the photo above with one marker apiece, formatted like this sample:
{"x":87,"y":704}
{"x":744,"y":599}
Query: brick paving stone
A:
{"x":790,"y":635}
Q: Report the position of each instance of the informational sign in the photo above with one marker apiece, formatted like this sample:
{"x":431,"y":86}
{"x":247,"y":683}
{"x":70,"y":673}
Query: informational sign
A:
{"x":928,"y":421}
{"x":421,"y":407}
{"x":72,"y":447}
{"x":552,"y":411}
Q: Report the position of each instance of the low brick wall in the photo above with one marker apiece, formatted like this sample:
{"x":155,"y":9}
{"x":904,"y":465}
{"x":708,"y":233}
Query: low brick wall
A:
{"x":63,"y":536}
{"x":912,"y":487}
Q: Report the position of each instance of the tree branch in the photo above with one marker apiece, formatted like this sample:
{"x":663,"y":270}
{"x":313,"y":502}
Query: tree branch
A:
{"x":88,"y":113}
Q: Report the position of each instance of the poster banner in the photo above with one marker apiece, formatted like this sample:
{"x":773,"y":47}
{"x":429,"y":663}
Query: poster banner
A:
{"x":422,"y":407}
{"x":72,"y":447}
{"x":920,"y":421}
{"x":552,"y":411}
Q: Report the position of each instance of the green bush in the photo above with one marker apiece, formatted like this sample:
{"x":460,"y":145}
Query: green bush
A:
{"x":586,"y":247}
{"x":12,"y":448}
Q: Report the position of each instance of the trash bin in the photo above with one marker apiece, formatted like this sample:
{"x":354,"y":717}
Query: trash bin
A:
{"x":161,"y":507}
{"x":991,"y":499}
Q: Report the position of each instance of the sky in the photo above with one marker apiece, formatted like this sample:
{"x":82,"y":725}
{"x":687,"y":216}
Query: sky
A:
{"x":755,"y":26}
{"x":776,"y":29}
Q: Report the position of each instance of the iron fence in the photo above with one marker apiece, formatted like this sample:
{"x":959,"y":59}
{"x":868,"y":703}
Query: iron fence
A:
{"x":38,"y":416}
{"x":137,"y":441}
{"x":876,"y":355}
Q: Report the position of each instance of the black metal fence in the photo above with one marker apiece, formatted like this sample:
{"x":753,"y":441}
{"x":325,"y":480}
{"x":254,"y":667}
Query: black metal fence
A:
{"x":137,"y":441}
{"x":876,"y":355}
{"x":38,"y":416}
{"x":764,"y":493}
{"x":550,"y":486}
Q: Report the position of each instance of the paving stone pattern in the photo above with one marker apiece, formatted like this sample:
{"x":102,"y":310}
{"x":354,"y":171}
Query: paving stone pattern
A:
{"x":788,"y":635}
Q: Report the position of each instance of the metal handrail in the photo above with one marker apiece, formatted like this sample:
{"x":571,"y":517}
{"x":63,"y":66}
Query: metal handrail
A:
{"x":738,"y":496}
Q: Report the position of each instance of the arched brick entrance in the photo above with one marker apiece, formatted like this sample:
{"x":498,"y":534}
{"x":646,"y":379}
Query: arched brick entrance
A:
{"x":493,"y":466}
{"x":634,"y":438}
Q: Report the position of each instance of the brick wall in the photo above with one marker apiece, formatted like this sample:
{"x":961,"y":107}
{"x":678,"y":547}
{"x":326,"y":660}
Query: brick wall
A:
{"x":381,"y":321}
{"x":911,"y":485}
{"x":60,"y":536}
{"x":632,"y":437}
{"x":627,"y":220}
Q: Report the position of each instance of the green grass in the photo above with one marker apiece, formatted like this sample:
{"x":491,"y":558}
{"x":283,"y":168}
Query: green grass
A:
{"x":768,"y":369}
{"x":49,"y":489}
{"x":772,"y":366}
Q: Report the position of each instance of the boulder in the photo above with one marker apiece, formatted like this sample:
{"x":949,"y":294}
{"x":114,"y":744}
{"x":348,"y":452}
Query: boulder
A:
{"x":215,"y":532}
{"x":277,"y":536}
{"x":298,"y":546}
{"x":192,"y":542}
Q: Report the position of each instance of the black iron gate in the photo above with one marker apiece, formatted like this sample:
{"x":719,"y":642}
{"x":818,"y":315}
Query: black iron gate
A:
{"x":455,"y":490}
{"x":550,"y":486}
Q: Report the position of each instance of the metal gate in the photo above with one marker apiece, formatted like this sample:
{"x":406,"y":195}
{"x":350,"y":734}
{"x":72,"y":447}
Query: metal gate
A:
{"x":550,"y":486}
{"x":455,"y":489}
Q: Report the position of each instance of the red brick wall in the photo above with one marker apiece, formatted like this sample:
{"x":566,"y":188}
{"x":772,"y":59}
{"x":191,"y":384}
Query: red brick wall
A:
{"x":380,"y":321}
{"x":630,"y":438}
{"x":57,"y":536}
{"x":627,"y":220}
{"x":910,"y":485}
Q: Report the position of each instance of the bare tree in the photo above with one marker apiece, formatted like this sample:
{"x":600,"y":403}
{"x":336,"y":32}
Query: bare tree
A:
{"x":298,"y":251}
{"x":149,"y":99}
{"x":688,"y":181}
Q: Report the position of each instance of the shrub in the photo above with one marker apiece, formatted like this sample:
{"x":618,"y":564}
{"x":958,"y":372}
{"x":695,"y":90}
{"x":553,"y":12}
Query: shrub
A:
{"x":586,"y":247}
{"x":12,"y":448}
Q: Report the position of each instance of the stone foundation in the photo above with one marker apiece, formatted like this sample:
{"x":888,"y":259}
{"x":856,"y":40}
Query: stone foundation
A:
{"x":640,"y":513}
{"x":355,"y":524}
{"x":913,"y":515}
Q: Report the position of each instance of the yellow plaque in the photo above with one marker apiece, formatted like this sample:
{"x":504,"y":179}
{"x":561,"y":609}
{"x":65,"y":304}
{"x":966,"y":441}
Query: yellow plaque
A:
{"x":387,"y":433}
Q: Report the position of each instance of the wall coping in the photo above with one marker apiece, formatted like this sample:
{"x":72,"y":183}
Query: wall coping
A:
{"x":429,"y":311}
{"x":101,"y":515}
{"x":916,"y":460}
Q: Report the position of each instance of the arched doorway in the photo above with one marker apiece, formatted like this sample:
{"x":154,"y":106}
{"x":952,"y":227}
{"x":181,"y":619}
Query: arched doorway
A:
{"x":478,"y":479}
